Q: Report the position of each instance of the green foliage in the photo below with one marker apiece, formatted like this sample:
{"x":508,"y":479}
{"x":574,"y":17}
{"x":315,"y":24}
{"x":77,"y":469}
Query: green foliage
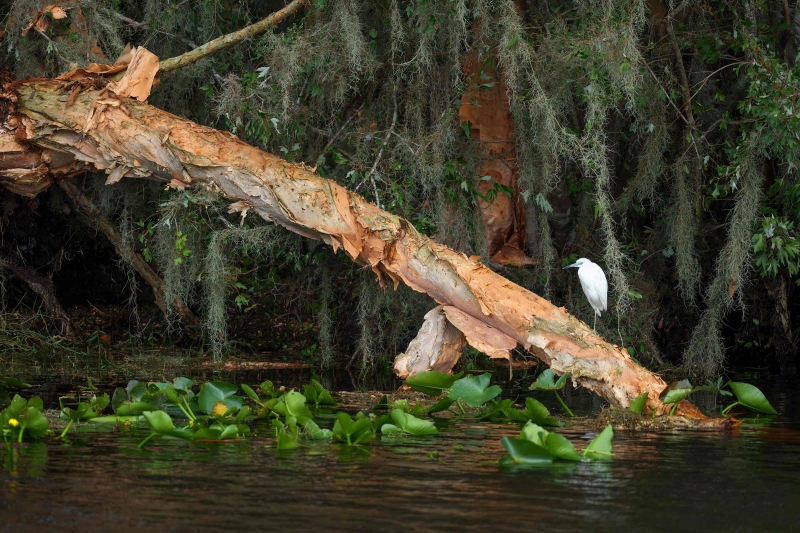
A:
{"x":600,"y":447}
{"x":353,"y":432}
{"x":23,"y":419}
{"x":432,"y":383}
{"x":407,"y":423}
{"x":474,"y":390}
{"x":776,"y":246}
{"x":750,"y":397}
{"x":637,"y":405}
{"x":547,"y":382}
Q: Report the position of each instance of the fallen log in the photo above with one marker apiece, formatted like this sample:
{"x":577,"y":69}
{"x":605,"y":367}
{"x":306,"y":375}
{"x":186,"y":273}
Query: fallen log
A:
{"x":80,"y":116}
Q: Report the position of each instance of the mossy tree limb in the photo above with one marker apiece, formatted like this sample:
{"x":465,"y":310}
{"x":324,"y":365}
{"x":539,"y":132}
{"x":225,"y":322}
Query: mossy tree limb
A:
{"x":109,"y":132}
{"x":137,"y":261}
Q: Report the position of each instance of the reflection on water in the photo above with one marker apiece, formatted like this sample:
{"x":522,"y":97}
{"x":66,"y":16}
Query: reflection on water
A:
{"x":742,"y":480}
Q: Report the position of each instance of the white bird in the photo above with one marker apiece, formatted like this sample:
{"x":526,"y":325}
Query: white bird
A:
{"x":594,"y":284}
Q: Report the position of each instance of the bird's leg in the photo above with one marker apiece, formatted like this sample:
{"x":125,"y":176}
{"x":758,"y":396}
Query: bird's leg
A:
{"x":594,"y":326}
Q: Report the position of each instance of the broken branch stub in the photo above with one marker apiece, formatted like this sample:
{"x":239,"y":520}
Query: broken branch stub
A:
{"x":437,"y":346}
{"x":106,"y":131}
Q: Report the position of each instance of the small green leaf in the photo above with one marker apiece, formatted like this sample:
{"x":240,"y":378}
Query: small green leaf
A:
{"x":35,"y":423}
{"x":431,"y":382}
{"x":546,"y":381}
{"x":474,"y":390}
{"x":600,"y":448}
{"x":637,"y":405}
{"x":524,"y":452}
{"x":442,"y":405}
{"x":160,"y":422}
{"x":751,"y":397}
{"x":410,"y":424}
{"x":214,"y":392}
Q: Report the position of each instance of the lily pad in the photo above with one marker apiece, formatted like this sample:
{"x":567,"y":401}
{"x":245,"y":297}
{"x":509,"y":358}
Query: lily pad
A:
{"x":432,"y":382}
{"x":547,"y":381}
{"x":215,"y":392}
{"x":352,"y":432}
{"x":751,"y":397}
{"x":316,"y":393}
{"x":556,"y":445}
{"x":292,"y":406}
{"x":408,"y":423}
{"x":524,"y":452}
{"x":474,"y":390}
{"x":314,"y":432}
{"x":600,"y":447}
{"x":34,"y":423}
{"x":162,"y":424}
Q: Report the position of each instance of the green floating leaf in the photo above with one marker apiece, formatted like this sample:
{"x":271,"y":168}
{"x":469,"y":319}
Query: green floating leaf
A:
{"x":215,"y":392}
{"x":162,"y":424}
{"x":681,"y":386}
{"x":538,"y":413}
{"x":751,"y":397}
{"x":34,"y":423}
{"x":292,"y":406}
{"x":547,"y":381}
{"x":524,"y":452}
{"x":314,"y":432}
{"x":352,"y":432}
{"x":556,"y":445}
{"x":316,"y":393}
{"x":600,"y":448}
{"x":474,"y":390}
{"x":431,"y":382}
{"x":382,"y":405}
{"x":637,"y":405}
{"x":14,"y":383}
{"x":287,"y":440}
{"x":408,"y":423}
{"x":250,"y":393}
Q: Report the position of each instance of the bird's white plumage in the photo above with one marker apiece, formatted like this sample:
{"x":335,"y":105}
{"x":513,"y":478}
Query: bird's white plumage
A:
{"x":593,"y":283}
{"x":595,"y":286}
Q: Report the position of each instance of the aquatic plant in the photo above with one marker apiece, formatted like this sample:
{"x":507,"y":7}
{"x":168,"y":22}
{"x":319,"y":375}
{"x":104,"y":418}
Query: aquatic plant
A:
{"x":537,"y":446}
{"x":84,"y":411}
{"x":751,"y":397}
{"x":406,"y":423}
{"x":547,"y":382}
{"x":23,"y":419}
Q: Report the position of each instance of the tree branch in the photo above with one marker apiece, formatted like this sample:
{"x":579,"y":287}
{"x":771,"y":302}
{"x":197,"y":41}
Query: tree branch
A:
{"x":85,"y":206}
{"x":193,"y":56}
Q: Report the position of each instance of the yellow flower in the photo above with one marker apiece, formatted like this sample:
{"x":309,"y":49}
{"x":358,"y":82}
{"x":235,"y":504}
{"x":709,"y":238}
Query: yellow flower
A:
{"x":219,"y":409}
{"x":13,"y":422}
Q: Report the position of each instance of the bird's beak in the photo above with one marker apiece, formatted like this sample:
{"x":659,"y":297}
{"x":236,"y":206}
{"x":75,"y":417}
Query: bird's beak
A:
{"x":570,"y":266}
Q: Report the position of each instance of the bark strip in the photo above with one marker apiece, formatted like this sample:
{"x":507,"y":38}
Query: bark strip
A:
{"x":106,"y":131}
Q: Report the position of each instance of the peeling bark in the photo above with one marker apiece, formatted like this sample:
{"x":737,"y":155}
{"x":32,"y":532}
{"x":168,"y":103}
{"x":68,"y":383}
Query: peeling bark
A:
{"x":109,"y":132}
{"x":437,"y":346}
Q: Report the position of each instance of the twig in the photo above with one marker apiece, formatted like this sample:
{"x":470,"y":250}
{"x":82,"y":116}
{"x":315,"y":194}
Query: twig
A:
{"x":193,"y":56}
{"x":139,"y":25}
{"x":55,"y":47}
{"x":371,"y":174}
{"x":339,"y":132}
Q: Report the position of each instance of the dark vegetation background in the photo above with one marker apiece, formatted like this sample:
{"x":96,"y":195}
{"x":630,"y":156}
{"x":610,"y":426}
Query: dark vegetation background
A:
{"x":657,"y":138}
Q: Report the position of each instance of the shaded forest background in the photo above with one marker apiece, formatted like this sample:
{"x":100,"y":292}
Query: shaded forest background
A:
{"x":659,"y":139}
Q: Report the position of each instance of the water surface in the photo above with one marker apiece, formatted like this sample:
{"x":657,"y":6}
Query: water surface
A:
{"x":697,"y":480}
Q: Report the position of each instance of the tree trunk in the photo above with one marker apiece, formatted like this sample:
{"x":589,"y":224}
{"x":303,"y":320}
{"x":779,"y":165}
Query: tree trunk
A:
{"x":83,"y":117}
